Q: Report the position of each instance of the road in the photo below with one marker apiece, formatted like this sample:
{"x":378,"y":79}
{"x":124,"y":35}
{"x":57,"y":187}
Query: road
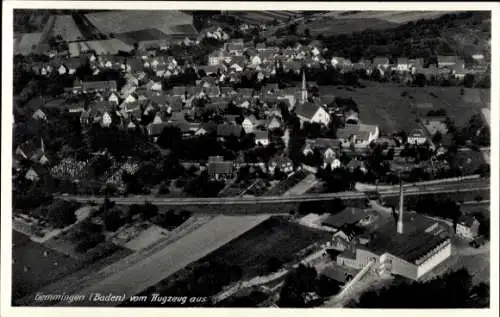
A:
{"x":457,"y":187}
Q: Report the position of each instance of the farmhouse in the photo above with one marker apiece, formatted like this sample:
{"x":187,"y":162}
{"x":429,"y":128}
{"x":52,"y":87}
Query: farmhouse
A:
{"x":358,"y":134}
{"x":217,"y":168}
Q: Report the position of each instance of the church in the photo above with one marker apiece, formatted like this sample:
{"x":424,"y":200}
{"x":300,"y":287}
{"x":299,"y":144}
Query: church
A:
{"x":308,"y":111}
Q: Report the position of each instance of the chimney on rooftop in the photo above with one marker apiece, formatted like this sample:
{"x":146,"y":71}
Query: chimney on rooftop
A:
{"x":401,"y":204}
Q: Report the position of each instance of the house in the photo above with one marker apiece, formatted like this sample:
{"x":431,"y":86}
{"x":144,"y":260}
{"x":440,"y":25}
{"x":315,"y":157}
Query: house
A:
{"x":478,"y":57}
{"x":447,"y":61}
{"x":358,"y":134}
{"x":310,"y":112}
{"x":283,"y":163}
{"x":350,"y":216}
{"x":467,"y":227}
{"x":36,"y":172}
{"x":381,"y":62}
{"x":417,"y":136}
{"x":39,"y":115}
{"x":274,"y":123}
{"x":262,"y":138}
{"x":216,"y":58}
{"x":249,"y":123}
{"x":29,"y":151}
{"x":403,"y":64}
{"x":220,"y":169}
{"x":435,"y":124}
{"x":326,"y":147}
{"x":94,"y":86}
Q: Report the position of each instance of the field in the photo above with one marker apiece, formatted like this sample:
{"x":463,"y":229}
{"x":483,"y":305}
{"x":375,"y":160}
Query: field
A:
{"x":177,"y":255}
{"x":66,"y":27}
{"x":262,"y":17}
{"x":26,"y":43}
{"x":128,"y":21}
{"x":342,"y":22}
{"x":44,"y":265}
{"x":111,"y":46}
{"x":141,"y":35}
{"x":275,"y":237}
{"x":383,"y":104}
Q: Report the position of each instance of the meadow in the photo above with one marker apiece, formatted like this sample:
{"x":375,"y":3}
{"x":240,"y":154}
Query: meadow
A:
{"x":385,"y":105}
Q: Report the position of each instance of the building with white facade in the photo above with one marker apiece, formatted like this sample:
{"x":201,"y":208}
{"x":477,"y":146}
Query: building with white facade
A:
{"x":410,"y":247}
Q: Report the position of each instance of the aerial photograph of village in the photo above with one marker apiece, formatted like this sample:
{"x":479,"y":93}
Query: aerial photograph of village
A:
{"x":287,"y":159}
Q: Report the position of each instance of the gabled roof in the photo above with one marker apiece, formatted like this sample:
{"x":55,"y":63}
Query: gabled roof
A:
{"x":348,"y":216}
{"x":380,"y":61}
{"x":448,"y":59}
{"x":307,"y":110}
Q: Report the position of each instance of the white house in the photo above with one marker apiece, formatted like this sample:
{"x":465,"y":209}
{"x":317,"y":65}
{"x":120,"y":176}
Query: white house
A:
{"x":106,"y":120}
{"x":39,"y":115}
{"x":468,"y":227}
{"x":361,"y":135}
{"x":417,"y":137}
{"x":310,"y":112}
{"x":255,"y":60}
{"x":262,"y":138}
{"x":248,"y":124}
{"x":402,"y":64}
{"x":113,"y":97}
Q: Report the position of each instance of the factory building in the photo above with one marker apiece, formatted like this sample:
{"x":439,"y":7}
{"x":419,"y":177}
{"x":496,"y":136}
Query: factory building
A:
{"x":411,"y":247}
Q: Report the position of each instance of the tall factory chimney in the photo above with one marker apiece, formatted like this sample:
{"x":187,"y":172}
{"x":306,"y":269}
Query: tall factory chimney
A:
{"x":401,"y":206}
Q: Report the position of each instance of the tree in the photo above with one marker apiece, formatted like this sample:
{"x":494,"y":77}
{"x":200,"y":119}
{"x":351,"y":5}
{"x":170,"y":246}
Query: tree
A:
{"x":469,"y":80}
{"x":113,"y":219}
{"x":61,"y":213}
{"x":298,"y":282}
{"x":452,"y":290}
{"x":420,"y":80}
{"x":273,"y":265}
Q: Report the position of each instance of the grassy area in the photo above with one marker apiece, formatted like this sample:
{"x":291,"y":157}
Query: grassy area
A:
{"x":275,"y":237}
{"x":383,"y":104}
{"x":43,"y":265}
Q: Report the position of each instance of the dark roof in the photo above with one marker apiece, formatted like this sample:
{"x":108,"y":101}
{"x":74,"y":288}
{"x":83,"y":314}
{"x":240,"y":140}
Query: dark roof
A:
{"x":222,"y":167}
{"x":259,"y":135}
{"x":209,"y":68}
{"x":411,"y":247}
{"x":228,"y":130}
{"x":306,"y":110}
{"x":413,"y":244}
{"x":348,"y":216}
{"x":323,"y":143}
{"x":155,"y":129}
{"x":448,"y":59}
{"x":337,"y":273}
{"x":380,"y":60}
{"x":210,"y":127}
{"x":466,"y":220}
{"x":178,"y":90}
{"x":97,"y":85}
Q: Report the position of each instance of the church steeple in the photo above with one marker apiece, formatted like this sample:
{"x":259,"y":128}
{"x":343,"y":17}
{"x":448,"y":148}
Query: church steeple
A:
{"x":304,"y":88}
